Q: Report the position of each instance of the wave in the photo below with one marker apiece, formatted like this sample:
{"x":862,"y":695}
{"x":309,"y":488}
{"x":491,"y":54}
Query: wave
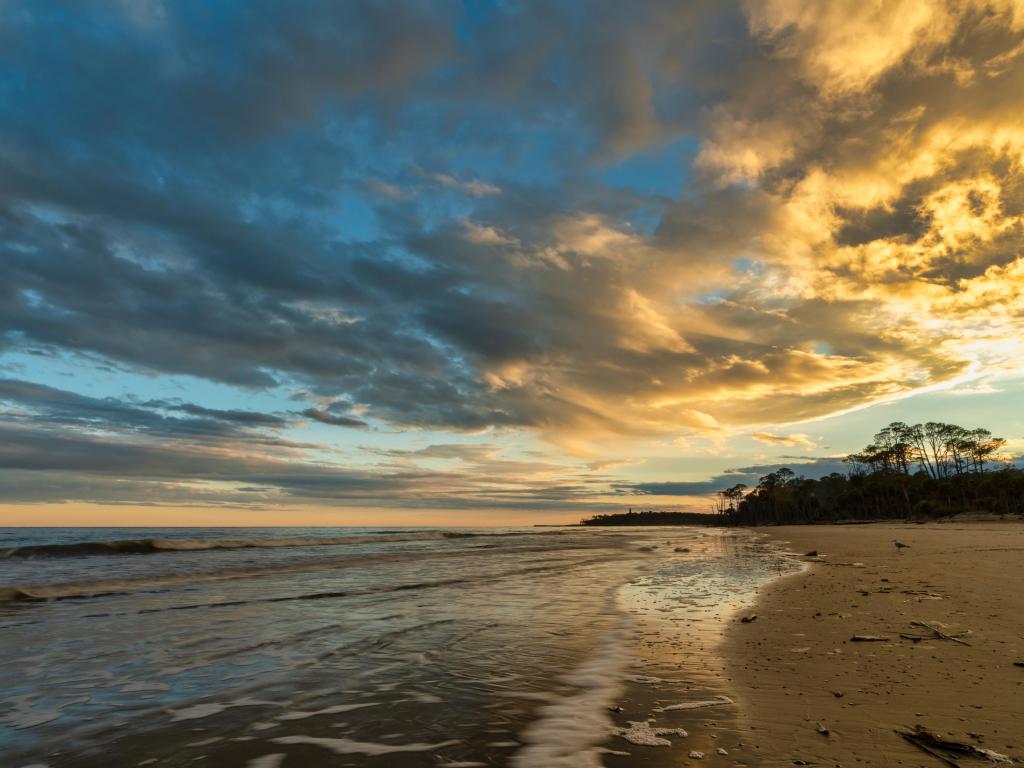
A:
{"x":151,"y":546}
{"x":79,"y":590}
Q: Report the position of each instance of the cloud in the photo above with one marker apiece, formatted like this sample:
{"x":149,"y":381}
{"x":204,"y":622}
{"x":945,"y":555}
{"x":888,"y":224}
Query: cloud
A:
{"x":48,"y":405}
{"x":790,"y":441}
{"x":473,"y":187}
{"x":814,"y":468}
{"x":329,"y":418}
{"x":249,"y":204}
{"x":251,"y":418}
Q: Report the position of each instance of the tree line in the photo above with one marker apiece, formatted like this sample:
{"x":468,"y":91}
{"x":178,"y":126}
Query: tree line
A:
{"x":920,"y":470}
{"x":941,"y":450}
{"x":650,"y":517}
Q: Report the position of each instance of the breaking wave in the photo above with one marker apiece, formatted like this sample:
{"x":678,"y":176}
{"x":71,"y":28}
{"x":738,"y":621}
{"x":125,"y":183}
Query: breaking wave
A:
{"x":151,"y":546}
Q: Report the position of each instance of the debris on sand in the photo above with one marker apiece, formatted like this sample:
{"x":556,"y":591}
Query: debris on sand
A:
{"x":682,"y":549}
{"x":869,"y":639}
{"x":695,"y":755}
{"x":822,"y":729}
{"x":939,"y":634}
{"x":715,"y":702}
{"x":945,"y":749}
{"x":750,"y":618}
{"x":812,"y":553}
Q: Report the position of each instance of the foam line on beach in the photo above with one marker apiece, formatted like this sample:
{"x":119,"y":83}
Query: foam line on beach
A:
{"x":350,"y":747}
{"x":569,"y":730}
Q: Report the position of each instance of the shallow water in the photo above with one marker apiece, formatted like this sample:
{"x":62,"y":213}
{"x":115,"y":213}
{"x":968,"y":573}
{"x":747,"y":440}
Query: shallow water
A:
{"x":299,"y":647}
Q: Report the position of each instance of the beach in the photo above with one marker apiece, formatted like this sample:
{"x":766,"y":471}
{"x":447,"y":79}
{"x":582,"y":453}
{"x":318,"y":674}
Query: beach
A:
{"x":530,"y":648}
{"x":795,"y":666}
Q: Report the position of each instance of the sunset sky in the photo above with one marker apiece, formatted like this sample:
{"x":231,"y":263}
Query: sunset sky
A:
{"x":362,"y":263}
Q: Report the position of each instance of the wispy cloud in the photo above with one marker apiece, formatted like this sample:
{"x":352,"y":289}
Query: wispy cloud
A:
{"x":791,"y":441}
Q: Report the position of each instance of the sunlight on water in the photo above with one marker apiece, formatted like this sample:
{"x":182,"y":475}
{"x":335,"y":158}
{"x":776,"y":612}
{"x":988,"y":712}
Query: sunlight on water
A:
{"x":479,"y":647}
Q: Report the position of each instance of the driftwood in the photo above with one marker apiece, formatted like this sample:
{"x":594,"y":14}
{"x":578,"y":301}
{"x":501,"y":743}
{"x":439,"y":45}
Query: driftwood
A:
{"x":917,"y":742}
{"x":869,"y":639}
{"x":940,"y":633}
{"x":933,"y":636}
{"x":941,"y":748}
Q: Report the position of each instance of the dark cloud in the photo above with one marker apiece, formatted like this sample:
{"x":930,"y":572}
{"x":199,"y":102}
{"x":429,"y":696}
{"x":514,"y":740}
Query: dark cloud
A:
{"x":329,"y":418}
{"x":813,"y":468}
{"x":250,"y":418}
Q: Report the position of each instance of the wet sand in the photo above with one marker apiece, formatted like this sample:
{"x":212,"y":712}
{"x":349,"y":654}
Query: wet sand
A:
{"x":796,"y":666}
{"x":676,"y":694}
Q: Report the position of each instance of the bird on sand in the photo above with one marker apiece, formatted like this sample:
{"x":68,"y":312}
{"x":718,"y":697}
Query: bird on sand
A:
{"x":899,"y":545}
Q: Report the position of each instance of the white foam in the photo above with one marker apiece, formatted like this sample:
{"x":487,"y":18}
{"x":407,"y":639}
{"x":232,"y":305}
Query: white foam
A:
{"x":569,"y":730}
{"x":350,"y":747}
{"x":30,"y":718}
{"x":205,"y":742}
{"x":337,"y":708}
{"x":426,"y":698}
{"x":642,"y":734}
{"x":197,"y":711}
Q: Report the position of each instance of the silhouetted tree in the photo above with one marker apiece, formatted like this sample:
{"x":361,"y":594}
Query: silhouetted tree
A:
{"x":907,"y":470}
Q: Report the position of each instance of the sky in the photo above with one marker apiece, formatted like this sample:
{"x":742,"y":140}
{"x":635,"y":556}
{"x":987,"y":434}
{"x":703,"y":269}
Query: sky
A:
{"x":482,"y":263}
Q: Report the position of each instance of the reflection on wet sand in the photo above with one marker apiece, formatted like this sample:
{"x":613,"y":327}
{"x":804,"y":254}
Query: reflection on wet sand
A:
{"x":577,"y":648}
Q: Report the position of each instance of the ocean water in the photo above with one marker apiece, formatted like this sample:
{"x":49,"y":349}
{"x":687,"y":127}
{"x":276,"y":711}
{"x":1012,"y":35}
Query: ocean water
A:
{"x":283,"y":648}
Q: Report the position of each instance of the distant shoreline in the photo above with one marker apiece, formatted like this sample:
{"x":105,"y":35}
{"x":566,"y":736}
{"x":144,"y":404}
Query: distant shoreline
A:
{"x":642,"y":520}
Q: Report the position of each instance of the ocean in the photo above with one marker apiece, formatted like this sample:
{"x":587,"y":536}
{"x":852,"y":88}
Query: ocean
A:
{"x":293,"y":647}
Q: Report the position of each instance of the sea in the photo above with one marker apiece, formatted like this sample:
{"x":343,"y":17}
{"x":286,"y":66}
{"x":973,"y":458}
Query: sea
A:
{"x":569,"y":647}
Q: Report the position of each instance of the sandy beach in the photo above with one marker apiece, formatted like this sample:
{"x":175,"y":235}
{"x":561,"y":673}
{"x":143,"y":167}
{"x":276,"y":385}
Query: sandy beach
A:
{"x":796,"y":666}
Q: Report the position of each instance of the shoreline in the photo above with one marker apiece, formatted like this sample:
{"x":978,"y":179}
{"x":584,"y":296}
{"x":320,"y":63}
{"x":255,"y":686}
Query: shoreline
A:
{"x":677,"y":700}
{"x":796,"y":666}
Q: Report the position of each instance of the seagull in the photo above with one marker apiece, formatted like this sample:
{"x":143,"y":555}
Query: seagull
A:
{"x":899,"y":545}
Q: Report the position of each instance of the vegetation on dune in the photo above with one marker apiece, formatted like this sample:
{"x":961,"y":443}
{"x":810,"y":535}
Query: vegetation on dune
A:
{"x":908,"y":471}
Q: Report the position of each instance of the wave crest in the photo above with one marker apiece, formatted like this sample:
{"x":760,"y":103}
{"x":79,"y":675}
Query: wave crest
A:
{"x":151,"y":546}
